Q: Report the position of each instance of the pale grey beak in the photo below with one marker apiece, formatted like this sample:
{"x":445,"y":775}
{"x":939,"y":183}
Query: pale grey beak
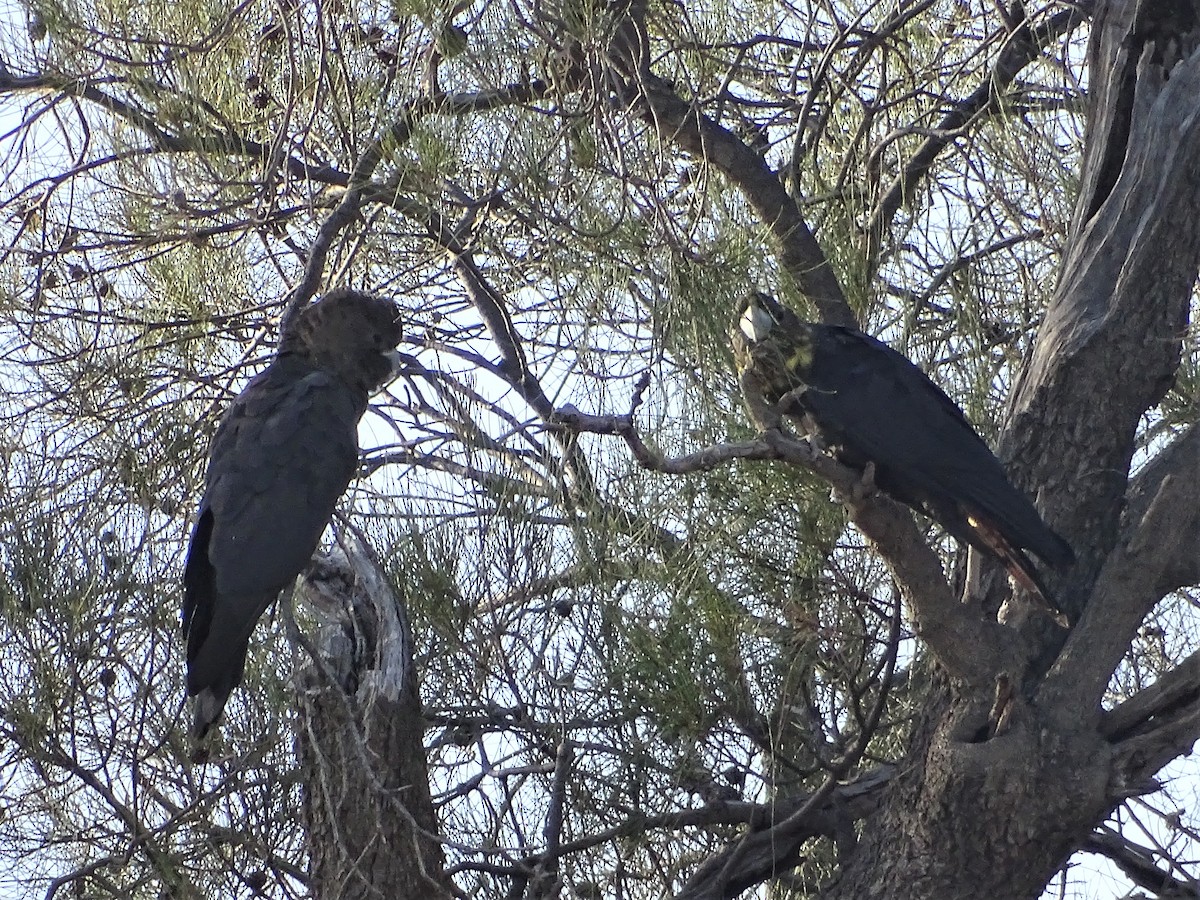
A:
{"x":396,"y":368}
{"x":756,"y":323}
{"x":396,"y":359}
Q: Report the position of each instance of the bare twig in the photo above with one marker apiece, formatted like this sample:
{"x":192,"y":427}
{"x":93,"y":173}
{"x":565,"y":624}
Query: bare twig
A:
{"x":969,"y":646}
{"x":1022,"y":46}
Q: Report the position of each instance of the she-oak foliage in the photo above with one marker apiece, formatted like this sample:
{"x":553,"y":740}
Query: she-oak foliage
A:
{"x":580,"y":630}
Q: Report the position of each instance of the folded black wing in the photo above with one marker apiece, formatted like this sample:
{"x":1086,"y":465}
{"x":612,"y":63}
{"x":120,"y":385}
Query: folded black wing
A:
{"x":877,"y":406}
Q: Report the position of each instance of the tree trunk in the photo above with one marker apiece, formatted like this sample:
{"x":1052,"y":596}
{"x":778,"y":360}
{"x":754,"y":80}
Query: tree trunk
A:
{"x":978,"y":814}
{"x":1003,"y":781}
{"x":371,"y":825}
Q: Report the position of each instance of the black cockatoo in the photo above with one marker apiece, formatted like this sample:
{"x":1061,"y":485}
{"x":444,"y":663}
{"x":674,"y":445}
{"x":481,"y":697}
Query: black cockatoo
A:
{"x":282,"y":455}
{"x":868,"y":404}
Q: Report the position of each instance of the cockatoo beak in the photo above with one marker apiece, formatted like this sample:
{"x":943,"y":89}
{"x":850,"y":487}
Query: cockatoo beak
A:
{"x":756,"y":323}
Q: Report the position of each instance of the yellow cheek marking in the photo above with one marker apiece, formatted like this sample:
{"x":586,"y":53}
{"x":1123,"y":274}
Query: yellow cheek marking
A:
{"x":799,"y":360}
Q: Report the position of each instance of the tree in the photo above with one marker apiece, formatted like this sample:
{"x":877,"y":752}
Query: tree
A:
{"x":654,"y":657}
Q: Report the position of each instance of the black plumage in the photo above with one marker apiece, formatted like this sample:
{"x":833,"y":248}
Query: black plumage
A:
{"x":868,"y":404}
{"x":283,"y":454}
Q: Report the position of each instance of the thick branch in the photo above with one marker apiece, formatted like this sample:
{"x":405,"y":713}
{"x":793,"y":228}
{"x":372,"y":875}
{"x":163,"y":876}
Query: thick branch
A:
{"x":1171,"y":697}
{"x":1122,"y":34}
{"x":763,"y":854}
{"x":359,"y":738}
{"x":1154,"y":551}
{"x":682,"y":123}
{"x":1180,"y":461}
{"x":1139,"y":867}
{"x":1168,"y":735}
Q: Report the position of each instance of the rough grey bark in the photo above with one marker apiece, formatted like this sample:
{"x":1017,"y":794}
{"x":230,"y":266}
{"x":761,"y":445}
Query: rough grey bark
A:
{"x":1014,"y":764}
{"x":1001,"y":786}
{"x":371,"y":824}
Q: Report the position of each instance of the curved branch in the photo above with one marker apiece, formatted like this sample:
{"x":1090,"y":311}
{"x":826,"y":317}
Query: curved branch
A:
{"x":359,"y":190}
{"x":489,"y":304}
{"x":1169,"y":728}
{"x":227,"y":143}
{"x":220,"y":143}
{"x":491,"y":482}
{"x":682,"y":123}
